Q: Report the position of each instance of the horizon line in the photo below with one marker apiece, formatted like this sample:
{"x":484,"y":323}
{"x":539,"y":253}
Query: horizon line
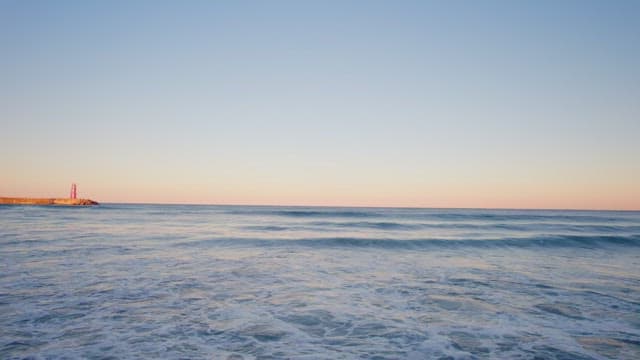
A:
{"x":371,"y":207}
{"x":362,"y":206}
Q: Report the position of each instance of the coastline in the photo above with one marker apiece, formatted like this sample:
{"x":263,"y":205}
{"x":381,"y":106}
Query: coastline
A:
{"x":46,"y":201}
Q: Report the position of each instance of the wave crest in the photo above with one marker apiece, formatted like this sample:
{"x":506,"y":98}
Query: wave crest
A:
{"x":567,"y":241}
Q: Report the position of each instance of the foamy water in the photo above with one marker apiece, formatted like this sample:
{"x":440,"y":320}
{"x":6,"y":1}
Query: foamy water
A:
{"x":232,"y":282}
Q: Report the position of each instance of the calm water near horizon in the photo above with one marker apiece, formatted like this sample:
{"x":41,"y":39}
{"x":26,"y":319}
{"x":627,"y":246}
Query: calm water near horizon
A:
{"x":257,"y":282}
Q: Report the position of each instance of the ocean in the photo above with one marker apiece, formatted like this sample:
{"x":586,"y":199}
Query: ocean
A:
{"x":256,"y":282}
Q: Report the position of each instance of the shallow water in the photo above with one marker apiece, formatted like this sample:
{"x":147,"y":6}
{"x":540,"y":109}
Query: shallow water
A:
{"x":238,"y":282}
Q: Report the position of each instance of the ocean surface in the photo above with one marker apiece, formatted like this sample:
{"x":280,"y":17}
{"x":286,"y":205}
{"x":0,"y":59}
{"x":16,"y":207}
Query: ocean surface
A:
{"x":242,"y":282}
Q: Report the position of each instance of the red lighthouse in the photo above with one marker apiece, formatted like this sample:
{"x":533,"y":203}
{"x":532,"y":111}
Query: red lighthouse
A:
{"x":73,"y":194}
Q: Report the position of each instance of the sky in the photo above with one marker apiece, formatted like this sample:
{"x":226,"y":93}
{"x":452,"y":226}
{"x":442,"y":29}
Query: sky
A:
{"x":489,"y":104}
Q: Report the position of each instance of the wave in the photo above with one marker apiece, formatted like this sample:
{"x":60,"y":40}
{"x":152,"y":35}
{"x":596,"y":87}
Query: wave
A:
{"x":384,"y":225}
{"x":266,"y":228}
{"x":413,"y":226}
{"x":551,"y":241}
{"x":577,"y":217}
{"x":327,"y":225}
{"x":526,"y":216}
{"x":305,"y":213}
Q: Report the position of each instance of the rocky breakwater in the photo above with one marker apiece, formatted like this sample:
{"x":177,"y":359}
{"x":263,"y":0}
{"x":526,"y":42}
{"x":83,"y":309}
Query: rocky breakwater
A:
{"x":46,"y":201}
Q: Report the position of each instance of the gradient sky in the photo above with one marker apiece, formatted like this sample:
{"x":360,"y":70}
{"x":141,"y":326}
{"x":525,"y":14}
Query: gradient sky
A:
{"x":518,"y":104}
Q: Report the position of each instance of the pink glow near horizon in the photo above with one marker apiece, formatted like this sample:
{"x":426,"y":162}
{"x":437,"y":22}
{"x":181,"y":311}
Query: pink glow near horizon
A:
{"x":458,"y":196}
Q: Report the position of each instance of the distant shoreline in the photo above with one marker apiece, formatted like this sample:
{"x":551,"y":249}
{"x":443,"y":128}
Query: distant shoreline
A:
{"x":46,"y":201}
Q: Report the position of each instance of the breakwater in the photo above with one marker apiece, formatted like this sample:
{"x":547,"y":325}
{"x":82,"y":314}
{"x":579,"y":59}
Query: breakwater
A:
{"x":46,"y":201}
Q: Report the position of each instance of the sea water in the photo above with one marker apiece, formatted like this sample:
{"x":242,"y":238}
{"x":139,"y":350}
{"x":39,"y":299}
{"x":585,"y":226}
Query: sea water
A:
{"x":239,"y":282}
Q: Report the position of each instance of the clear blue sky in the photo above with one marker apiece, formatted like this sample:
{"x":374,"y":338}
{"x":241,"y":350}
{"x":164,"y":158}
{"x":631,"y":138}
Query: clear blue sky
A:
{"x":407,"y":103}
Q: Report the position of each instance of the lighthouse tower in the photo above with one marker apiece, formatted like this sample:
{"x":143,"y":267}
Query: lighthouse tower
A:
{"x":73,"y":194}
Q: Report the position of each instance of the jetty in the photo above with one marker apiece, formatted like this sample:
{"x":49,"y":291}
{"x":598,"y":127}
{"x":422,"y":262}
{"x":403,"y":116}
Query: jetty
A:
{"x":72,"y":200}
{"x":45,"y":201}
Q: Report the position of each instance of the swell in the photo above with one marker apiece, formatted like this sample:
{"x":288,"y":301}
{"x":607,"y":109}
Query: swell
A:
{"x":305,"y":213}
{"x":578,"y":217}
{"x":552,"y":241}
{"x":412,"y":226}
